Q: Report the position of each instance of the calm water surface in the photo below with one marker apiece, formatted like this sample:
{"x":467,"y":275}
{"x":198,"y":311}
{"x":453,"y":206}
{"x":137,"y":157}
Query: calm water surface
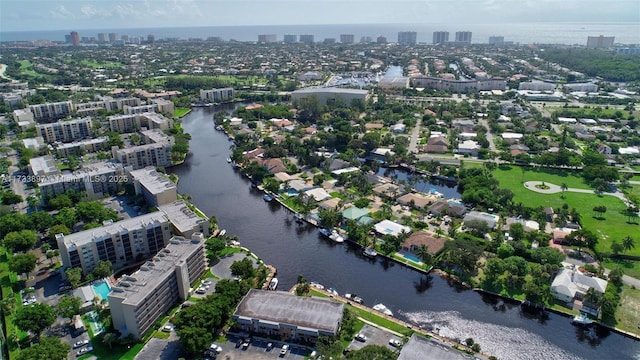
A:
{"x":430,"y":301}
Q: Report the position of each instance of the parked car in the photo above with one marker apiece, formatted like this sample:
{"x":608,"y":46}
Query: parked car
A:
{"x":85,"y":350}
{"x":284,"y":349}
{"x":395,"y":342}
{"x":269,"y":346}
{"x":246,"y":343}
{"x":80,"y":343}
{"x":216,"y":348}
{"x":361,"y":337}
{"x":167,"y":328}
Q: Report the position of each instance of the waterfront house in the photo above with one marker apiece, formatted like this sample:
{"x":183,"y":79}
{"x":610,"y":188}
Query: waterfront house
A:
{"x":416,"y":200}
{"x":388,"y":227}
{"x":489,"y":219}
{"x":413,"y":243}
{"x":354,"y":213}
{"x":572,"y":284}
{"x":388,"y":190}
{"x":273,"y":165}
{"x":318,"y":194}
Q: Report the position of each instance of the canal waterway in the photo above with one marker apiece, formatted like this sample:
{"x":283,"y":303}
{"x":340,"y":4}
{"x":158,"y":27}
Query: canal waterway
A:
{"x":430,"y":301}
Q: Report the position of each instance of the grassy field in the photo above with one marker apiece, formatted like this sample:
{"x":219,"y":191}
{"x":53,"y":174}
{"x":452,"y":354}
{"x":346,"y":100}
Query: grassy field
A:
{"x":9,"y":284}
{"x":511,"y":177}
{"x":180,"y":112}
{"x":614,"y":225}
{"x":628,"y":313}
{"x":594,"y":112}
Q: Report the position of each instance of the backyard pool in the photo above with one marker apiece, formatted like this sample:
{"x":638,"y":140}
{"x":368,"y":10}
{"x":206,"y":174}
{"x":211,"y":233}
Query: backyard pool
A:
{"x":411,"y":258}
{"x":102,"y":289}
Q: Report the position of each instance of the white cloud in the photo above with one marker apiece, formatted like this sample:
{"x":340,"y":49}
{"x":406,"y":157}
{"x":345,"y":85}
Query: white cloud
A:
{"x":61,"y":12}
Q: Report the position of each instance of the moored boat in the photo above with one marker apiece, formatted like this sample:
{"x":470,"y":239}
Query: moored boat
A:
{"x":222,"y":232}
{"x":273,"y":284}
{"x":267,"y":197}
{"x":582,"y":320}
{"x":370,"y":252}
{"x":353,"y":297}
{"x":335,"y":236}
{"x":383,"y":309}
{"x":299,"y":218}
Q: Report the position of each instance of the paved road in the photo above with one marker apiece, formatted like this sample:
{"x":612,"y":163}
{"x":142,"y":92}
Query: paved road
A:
{"x":552,"y":189}
{"x":415,"y":135}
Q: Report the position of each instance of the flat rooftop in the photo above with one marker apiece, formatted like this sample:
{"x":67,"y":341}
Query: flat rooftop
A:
{"x":43,"y":165}
{"x":419,"y":348}
{"x":157,"y":136}
{"x":98,"y":140}
{"x":93,"y":169}
{"x":181,"y":216}
{"x":152,"y":180}
{"x":331,"y":90}
{"x":136,"y":287}
{"x":286,"y":308}
{"x":145,"y":147}
{"x":138,"y":222}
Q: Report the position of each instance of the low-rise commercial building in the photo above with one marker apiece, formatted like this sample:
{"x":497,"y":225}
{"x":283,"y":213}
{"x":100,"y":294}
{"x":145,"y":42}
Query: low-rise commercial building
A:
{"x":138,"y":300}
{"x":287,"y":316}
{"x":183,"y":220}
{"x":156,"y":188}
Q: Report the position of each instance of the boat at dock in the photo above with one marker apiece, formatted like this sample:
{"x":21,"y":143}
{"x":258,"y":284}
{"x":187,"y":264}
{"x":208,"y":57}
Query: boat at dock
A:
{"x":299,"y":218}
{"x":222,"y":232}
{"x":267,"y":197}
{"x":353,"y":297}
{"x":273,"y":284}
{"x":581,"y":320}
{"x":383,"y":309}
{"x":370,"y":252}
{"x":229,"y":160}
{"x":335,"y":236}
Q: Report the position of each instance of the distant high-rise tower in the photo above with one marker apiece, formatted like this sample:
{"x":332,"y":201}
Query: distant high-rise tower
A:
{"x":366,"y":39}
{"x":600,"y":42}
{"x":329,"y":41}
{"x":290,"y":39}
{"x":102,"y":38}
{"x":124,"y":38}
{"x":75,"y":38}
{"x":151,"y":38}
{"x":463,"y":37}
{"x":113,"y":37}
{"x":496,"y":40}
{"x":407,"y":37}
{"x":307,"y":39}
{"x":347,"y":38}
{"x":381,"y":39}
{"x":267,"y":38}
{"x":440,"y":37}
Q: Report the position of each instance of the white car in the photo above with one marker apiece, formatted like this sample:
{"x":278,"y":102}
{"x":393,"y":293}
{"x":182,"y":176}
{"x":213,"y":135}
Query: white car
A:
{"x":284,"y":349}
{"x":395,"y":342}
{"x":85,"y":350}
{"x":80,"y":343}
{"x":361,"y":337}
{"x":216,"y":348}
{"x":167,"y":328}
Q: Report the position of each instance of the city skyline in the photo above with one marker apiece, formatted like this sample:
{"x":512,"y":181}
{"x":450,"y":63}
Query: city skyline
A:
{"x":39,"y":15}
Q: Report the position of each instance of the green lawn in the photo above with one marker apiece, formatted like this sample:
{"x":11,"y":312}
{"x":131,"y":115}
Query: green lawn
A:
{"x":592,"y":112}
{"x":10,"y":289}
{"x":180,"y":112}
{"x":614,"y":226}
{"x":511,"y":177}
{"x":94,"y":64}
{"x":379,"y":320}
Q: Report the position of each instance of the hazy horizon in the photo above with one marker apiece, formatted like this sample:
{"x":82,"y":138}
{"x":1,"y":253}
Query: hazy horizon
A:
{"x":43,"y":15}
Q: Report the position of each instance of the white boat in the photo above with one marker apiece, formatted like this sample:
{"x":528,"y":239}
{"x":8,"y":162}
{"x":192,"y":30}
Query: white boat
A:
{"x":335,"y":236}
{"x":333,"y":291}
{"x":317,"y":285}
{"x":267,"y":197}
{"x":354,"y":298}
{"x":581,"y":319}
{"x":222,"y":232}
{"x":383,"y":309}
{"x":273,"y":284}
{"x":370,"y":252}
{"x":229,"y":160}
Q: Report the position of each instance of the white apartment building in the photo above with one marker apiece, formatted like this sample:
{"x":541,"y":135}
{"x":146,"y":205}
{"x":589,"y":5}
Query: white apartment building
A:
{"x":95,"y":179}
{"x":125,"y":123}
{"x":183,"y":220}
{"x":52,"y":111}
{"x":79,"y":148}
{"x":128,"y":110}
{"x":119,"y":242}
{"x":139,"y":157}
{"x":65,"y":131}
{"x":138,"y":300}
{"x":216,"y":95}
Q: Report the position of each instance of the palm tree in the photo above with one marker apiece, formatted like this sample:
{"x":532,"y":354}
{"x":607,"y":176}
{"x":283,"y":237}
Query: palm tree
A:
{"x":423,"y":254}
{"x":628,"y":243}
{"x":564,"y":187}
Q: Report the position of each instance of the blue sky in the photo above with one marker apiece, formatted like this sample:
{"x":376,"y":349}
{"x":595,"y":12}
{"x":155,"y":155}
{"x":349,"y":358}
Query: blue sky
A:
{"x":27,"y":15}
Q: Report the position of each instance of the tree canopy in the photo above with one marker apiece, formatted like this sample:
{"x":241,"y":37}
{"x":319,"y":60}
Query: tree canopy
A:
{"x":22,"y":263}
{"x":49,"y":348}
{"x":23,"y":240}
{"x":34,"y":318}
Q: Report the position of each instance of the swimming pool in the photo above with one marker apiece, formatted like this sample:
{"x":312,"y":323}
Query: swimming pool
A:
{"x":102,"y":289}
{"x":411,"y":258}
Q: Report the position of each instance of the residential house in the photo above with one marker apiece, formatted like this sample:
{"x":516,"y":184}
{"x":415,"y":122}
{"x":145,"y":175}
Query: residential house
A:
{"x":447,"y":207}
{"x":438,"y":144}
{"x":419,"y":238}
{"x":571,"y":284}
{"x":470,"y":147}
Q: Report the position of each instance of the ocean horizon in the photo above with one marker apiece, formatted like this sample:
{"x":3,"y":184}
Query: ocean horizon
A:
{"x":518,"y":33}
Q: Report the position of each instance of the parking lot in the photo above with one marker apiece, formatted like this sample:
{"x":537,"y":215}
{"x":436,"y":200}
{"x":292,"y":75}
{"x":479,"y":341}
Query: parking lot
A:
{"x":258,"y":350}
{"x":374,"y":336}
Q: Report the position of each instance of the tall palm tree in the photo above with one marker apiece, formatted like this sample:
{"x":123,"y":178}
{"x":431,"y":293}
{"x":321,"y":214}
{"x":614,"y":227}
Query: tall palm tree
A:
{"x":424,"y":255}
{"x":564,"y":187}
{"x":628,"y":243}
